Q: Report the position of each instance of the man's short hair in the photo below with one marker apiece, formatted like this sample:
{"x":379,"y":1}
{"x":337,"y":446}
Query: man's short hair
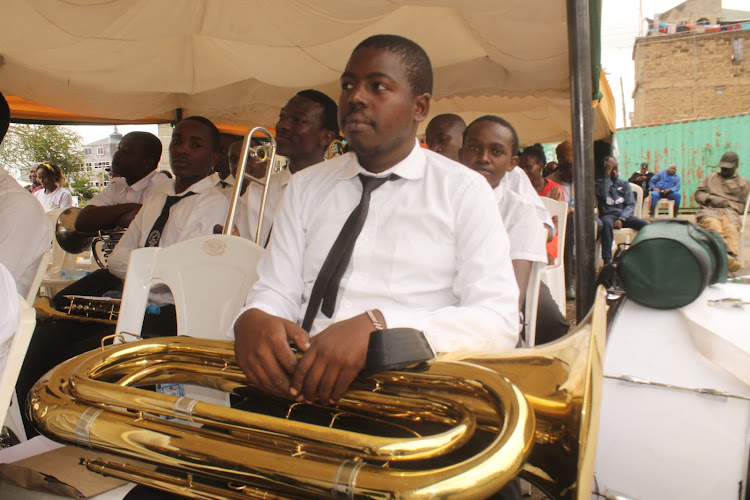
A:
{"x":329,"y":120}
{"x":449,"y":118}
{"x":150,"y":142}
{"x":500,"y":121}
{"x":415,"y":59}
{"x":536,"y":151}
{"x":644,"y":164}
{"x":214,"y":130}
{"x":4,"y":116}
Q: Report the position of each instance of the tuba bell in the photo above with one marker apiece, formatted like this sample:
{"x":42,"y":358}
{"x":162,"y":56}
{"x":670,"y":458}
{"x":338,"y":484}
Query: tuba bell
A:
{"x":460,"y":426}
{"x":73,"y":241}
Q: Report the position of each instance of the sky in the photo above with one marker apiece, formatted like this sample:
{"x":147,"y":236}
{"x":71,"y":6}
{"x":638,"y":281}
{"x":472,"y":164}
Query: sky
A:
{"x":621,"y":23}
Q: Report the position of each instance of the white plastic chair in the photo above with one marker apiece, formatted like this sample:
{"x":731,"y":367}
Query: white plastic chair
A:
{"x":17,"y":346}
{"x":744,"y":237}
{"x":670,"y":207}
{"x":626,"y":234}
{"x":209,"y":277}
{"x":554,"y":275}
{"x":60,"y":260}
{"x":531,"y":304}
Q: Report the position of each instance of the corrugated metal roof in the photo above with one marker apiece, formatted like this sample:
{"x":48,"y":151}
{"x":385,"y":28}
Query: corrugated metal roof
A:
{"x":695,"y":146}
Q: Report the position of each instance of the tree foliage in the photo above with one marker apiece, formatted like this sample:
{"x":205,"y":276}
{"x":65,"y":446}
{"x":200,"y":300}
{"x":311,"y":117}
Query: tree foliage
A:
{"x":27,"y":144}
{"x":80,"y":186}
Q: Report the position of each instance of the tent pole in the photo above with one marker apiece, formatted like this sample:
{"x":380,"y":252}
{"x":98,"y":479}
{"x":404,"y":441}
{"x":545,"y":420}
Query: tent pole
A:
{"x":579,"y":60}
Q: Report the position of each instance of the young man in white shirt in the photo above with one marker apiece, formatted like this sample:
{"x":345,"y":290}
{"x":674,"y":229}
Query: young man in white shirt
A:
{"x":491,"y":148}
{"x":193,"y":151}
{"x":432,"y":253}
{"x":135,"y":164}
{"x":307,"y":125}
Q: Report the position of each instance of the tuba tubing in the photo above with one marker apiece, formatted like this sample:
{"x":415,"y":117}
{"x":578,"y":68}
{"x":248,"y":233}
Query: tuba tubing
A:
{"x":528,"y":412}
{"x":315,"y":460}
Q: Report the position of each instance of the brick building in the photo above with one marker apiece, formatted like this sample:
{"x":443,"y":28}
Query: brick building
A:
{"x":97,"y":159}
{"x":693,"y":64}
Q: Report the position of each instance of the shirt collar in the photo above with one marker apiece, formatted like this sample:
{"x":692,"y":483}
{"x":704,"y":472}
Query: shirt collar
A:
{"x":143,"y":183}
{"x":203,"y":185}
{"x":411,"y":167}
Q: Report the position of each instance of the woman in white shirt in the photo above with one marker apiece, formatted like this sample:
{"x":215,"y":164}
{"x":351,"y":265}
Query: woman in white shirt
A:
{"x":53,"y":196}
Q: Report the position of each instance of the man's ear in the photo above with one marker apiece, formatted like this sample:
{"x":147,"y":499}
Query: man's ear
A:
{"x":421,"y":107}
{"x":327,"y":137}
{"x":514,"y":161}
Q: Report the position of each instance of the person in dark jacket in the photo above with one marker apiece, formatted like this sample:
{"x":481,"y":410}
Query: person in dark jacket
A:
{"x":616,"y":206}
{"x":642,"y":177}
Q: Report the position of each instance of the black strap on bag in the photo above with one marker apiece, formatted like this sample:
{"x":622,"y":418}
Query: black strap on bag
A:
{"x":668,"y":264}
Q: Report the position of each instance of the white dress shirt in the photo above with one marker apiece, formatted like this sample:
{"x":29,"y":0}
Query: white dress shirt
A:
{"x":517,"y":180}
{"x":526,"y":233}
{"x":249,"y":209}
{"x":119,"y":191}
{"x":25,"y":232}
{"x":59,"y":198}
{"x":433,"y":253}
{"x":9,"y":313}
{"x":194,"y":216}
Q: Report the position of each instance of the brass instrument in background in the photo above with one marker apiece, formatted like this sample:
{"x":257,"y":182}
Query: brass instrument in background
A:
{"x":335,"y":148}
{"x":260,"y":154}
{"x":73,"y":241}
{"x":461,"y":426}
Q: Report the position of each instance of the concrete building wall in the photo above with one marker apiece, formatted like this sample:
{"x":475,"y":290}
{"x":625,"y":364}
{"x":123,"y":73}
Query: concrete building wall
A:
{"x":693,"y":10}
{"x":689,"y":76}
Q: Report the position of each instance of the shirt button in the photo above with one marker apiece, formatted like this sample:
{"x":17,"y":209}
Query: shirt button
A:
{"x":347,"y":304}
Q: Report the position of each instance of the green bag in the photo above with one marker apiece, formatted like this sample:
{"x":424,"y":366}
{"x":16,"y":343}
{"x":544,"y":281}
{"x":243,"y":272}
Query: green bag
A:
{"x":670,"y":262}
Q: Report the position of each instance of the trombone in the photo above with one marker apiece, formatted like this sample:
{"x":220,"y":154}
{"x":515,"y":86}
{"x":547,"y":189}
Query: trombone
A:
{"x":261,"y":154}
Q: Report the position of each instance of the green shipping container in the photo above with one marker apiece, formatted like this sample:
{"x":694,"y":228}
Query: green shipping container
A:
{"x":694,"y":146}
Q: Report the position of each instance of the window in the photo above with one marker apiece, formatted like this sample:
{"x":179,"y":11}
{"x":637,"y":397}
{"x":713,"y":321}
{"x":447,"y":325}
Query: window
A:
{"x":100,"y":151}
{"x":87,"y":151}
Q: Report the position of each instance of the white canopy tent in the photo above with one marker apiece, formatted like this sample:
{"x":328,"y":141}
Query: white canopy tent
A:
{"x":238,"y":61}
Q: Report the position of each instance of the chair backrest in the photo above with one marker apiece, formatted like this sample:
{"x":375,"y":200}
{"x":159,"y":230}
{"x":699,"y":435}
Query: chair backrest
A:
{"x":531,"y":304}
{"x":209,"y":277}
{"x":559,"y":209}
{"x":38,"y":276}
{"x":17,"y":346}
{"x":638,"y":194}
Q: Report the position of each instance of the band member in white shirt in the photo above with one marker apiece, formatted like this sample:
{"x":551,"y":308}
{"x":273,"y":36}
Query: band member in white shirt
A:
{"x":432,"y":253}
{"x":307,"y":125}
{"x":134,"y":165}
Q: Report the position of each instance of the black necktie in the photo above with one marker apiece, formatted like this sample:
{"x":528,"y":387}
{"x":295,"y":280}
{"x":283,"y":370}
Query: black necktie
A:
{"x":326,"y":285}
{"x":154,"y":236}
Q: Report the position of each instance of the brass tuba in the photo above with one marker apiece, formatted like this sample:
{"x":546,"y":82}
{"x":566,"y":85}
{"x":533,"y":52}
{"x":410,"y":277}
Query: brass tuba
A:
{"x":73,"y":241}
{"x":461,"y":426}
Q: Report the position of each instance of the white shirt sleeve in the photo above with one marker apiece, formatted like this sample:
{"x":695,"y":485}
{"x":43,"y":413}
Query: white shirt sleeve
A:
{"x":118,"y":260}
{"x":484,"y":283}
{"x":517,"y":180}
